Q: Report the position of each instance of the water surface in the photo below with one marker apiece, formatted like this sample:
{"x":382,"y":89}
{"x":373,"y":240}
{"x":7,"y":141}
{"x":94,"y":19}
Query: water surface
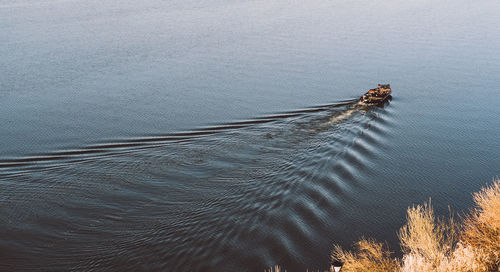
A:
{"x":219,"y":135}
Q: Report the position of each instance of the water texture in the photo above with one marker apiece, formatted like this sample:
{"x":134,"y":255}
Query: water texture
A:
{"x":226,"y":135}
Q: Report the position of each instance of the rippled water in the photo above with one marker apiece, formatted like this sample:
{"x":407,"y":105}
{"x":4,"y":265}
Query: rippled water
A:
{"x":226,"y":135}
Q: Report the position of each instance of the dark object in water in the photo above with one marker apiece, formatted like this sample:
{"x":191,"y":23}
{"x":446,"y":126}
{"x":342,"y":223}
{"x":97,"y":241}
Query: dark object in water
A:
{"x":377,"y":95}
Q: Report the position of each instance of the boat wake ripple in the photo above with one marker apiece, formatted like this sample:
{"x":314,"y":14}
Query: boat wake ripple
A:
{"x":242,"y":194}
{"x":120,"y":146}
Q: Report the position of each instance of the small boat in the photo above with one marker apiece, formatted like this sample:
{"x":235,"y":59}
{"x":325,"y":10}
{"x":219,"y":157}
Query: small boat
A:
{"x":377,"y":95}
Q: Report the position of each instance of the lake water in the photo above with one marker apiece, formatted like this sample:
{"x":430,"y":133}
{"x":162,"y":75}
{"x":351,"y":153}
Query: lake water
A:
{"x":225,"y":135}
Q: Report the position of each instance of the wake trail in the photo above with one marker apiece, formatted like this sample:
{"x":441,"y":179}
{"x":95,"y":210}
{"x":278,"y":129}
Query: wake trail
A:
{"x":128,"y":145}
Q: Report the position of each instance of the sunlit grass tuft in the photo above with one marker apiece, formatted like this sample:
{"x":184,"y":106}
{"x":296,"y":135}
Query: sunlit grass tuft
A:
{"x":434,"y":244}
{"x":481,"y":227}
{"x":276,"y":268}
{"x":426,"y":239}
{"x":369,"y":256}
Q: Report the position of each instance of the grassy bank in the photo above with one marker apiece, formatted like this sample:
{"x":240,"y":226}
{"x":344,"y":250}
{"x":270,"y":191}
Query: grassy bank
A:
{"x":431,"y":243}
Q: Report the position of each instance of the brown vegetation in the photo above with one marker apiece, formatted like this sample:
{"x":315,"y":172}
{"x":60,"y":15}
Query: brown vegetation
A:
{"x":481,"y":227}
{"x":433,"y":244}
{"x":369,"y":256}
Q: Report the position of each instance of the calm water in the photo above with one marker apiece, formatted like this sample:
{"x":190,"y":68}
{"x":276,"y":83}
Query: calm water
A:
{"x":224,"y":135}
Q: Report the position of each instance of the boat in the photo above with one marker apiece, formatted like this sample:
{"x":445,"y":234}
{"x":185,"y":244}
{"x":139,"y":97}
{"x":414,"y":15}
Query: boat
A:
{"x":377,"y":95}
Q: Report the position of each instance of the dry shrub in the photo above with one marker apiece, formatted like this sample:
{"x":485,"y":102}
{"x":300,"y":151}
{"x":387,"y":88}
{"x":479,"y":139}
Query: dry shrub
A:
{"x":481,"y":227}
{"x":369,"y":256}
{"x":425,"y":239}
{"x":434,"y":244}
{"x":461,"y":259}
{"x":276,"y":268}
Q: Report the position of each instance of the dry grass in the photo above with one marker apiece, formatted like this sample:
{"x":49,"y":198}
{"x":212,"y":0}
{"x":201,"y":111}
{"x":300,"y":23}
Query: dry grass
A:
{"x":431,"y":244}
{"x":276,"y":268}
{"x":435,"y":244}
{"x":481,"y":227}
{"x":369,"y":256}
{"x":426,"y":235}
{"x":428,"y":242}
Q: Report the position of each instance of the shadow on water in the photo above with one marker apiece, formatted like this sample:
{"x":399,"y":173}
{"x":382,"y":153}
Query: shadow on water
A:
{"x":248,"y":194}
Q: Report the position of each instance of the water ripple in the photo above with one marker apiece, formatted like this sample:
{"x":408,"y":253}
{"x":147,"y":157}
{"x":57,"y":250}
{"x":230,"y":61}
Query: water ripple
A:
{"x":265,"y":188}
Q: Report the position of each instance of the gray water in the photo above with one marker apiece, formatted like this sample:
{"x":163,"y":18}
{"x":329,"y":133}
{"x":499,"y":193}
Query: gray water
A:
{"x":225,"y":135}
